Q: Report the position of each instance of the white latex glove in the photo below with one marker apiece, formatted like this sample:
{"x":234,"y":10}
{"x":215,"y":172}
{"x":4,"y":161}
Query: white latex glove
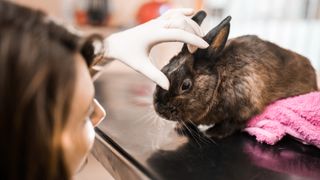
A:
{"x":133,"y":46}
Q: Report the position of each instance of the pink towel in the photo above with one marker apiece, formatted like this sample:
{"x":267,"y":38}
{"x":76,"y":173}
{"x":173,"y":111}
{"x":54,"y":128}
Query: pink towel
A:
{"x":297,"y":116}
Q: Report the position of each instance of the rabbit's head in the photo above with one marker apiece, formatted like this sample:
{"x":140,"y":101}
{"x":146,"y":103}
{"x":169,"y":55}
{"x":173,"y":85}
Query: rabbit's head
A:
{"x":193,"y":82}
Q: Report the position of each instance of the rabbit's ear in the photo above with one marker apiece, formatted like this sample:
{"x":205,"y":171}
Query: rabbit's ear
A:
{"x":218,"y":36}
{"x":198,"y":18}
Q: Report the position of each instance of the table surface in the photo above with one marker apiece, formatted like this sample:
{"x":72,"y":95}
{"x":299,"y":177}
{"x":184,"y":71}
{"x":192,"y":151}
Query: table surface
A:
{"x":153,"y":147}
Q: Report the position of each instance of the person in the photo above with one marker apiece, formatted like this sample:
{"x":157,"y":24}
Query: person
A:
{"x":47,"y":105}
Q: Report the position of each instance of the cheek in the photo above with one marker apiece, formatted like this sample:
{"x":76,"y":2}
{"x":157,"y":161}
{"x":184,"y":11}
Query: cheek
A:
{"x":77,"y":144}
{"x":205,"y":89}
{"x":88,"y":135}
{"x":201,"y":98}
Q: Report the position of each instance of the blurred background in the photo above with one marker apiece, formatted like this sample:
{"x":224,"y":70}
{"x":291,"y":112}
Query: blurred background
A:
{"x":292,"y":24}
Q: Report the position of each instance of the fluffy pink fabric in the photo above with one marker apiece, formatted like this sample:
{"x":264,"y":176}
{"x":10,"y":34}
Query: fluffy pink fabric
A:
{"x":297,"y":116}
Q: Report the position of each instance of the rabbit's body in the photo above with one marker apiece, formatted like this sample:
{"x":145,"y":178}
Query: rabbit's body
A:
{"x":229,"y":85}
{"x":252,"y":74}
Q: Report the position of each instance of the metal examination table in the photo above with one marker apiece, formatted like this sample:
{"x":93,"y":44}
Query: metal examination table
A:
{"x":132,"y":143}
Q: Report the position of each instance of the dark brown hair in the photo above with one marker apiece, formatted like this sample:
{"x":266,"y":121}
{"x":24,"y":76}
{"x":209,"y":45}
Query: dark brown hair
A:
{"x":37,"y":80}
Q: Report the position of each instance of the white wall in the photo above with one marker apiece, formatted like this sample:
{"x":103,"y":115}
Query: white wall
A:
{"x":293,"y":24}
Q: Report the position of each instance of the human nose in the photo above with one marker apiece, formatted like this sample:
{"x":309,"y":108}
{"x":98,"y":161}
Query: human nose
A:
{"x":98,"y":114}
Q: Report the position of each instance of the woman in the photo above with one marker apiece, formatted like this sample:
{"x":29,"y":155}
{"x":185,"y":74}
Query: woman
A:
{"x":47,"y":105}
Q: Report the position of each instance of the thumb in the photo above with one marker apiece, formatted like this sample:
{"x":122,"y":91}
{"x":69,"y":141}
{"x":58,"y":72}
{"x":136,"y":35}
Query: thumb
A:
{"x":145,"y":67}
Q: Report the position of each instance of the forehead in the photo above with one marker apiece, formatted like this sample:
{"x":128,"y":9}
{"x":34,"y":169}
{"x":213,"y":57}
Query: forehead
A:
{"x":177,"y":63}
{"x":178,"y":69}
{"x":84,"y":89}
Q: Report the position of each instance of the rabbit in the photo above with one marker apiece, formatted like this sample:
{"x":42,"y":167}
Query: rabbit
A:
{"x":228,"y":83}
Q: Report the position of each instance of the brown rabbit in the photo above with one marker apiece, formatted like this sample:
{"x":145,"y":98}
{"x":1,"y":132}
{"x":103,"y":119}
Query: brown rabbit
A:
{"x":231,"y":81}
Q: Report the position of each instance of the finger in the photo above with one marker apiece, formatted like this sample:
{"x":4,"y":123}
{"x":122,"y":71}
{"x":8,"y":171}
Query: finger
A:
{"x":179,"y":35}
{"x":180,"y":11}
{"x":179,"y":24}
{"x":196,"y":28}
{"x":188,"y":28}
{"x":185,"y":24}
{"x":153,"y":73}
{"x":150,"y":71}
{"x":191,"y":48}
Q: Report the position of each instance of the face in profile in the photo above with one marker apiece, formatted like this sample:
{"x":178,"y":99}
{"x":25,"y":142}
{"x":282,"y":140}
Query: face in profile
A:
{"x":85,"y":114}
{"x":47,"y":106}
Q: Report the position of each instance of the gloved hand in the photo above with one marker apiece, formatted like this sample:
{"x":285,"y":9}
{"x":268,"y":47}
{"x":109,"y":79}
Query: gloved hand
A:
{"x":133,"y":46}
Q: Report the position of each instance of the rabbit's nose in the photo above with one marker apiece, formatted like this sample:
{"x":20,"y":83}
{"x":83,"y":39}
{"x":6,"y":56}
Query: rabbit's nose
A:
{"x":164,"y":97}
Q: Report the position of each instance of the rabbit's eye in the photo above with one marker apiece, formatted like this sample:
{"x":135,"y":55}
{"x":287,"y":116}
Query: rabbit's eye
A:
{"x":186,"y":85}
